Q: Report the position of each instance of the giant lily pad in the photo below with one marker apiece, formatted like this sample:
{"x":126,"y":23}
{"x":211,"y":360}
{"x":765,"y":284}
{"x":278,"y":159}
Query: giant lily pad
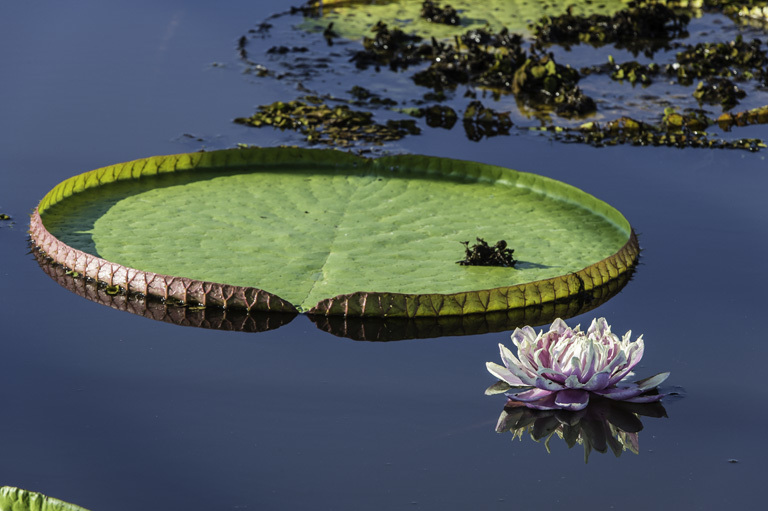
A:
{"x":330,"y":233}
{"x":16,"y":499}
{"x":354,"y":18}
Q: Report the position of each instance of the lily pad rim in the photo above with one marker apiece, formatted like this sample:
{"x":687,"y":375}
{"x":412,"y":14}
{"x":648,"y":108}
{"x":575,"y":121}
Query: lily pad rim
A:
{"x":385,"y":304}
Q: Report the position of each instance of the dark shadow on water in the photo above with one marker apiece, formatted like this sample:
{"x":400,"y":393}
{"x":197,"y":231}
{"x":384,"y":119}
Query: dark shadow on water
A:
{"x":359,"y":329}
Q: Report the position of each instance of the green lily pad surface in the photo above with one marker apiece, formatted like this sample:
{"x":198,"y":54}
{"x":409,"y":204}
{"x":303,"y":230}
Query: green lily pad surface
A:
{"x":332,"y":233}
{"x":16,"y":499}
{"x":354,"y":19}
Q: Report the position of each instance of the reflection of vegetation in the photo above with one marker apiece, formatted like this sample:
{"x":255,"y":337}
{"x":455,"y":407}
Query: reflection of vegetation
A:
{"x":361,"y":329}
{"x":482,"y":122}
{"x":602,"y":425}
{"x":17,"y":499}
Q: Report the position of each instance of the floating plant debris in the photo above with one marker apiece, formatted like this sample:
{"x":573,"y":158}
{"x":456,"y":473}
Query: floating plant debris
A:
{"x":540,"y":80}
{"x":676,"y":130}
{"x":639,"y":27}
{"x":631,"y":71}
{"x":446,"y":15}
{"x":745,"y":118}
{"x":735,"y":59}
{"x":391,"y":47}
{"x":320,"y":123}
{"x":719,"y":91}
{"x":529,"y":75}
{"x":482,"y":254}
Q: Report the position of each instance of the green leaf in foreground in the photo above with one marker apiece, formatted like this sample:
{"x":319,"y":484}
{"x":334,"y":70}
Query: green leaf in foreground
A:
{"x":330,"y":233}
{"x":354,"y":19}
{"x":16,"y":499}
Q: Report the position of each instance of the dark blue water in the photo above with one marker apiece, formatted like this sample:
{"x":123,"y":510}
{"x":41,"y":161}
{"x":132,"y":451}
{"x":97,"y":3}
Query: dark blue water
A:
{"x":113,"y":411}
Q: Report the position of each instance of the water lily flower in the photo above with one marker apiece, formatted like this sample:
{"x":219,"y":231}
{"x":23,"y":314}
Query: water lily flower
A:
{"x":559,"y":369}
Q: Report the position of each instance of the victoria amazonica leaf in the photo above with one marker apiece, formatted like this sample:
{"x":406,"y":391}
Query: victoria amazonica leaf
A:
{"x":331,"y":233}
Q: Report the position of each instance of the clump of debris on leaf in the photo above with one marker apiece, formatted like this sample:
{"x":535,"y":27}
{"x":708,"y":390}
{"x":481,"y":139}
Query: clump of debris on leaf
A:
{"x":482,"y":254}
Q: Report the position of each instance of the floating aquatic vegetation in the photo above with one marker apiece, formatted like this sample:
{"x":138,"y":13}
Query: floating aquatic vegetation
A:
{"x":753,"y":116}
{"x":483,"y":254}
{"x":562,"y":368}
{"x":478,"y":57}
{"x":17,"y":499}
{"x":540,"y":80}
{"x":735,"y":59}
{"x":640,"y":27}
{"x":343,"y":219}
{"x":3,"y":216}
{"x":391,"y":47}
{"x":446,"y":15}
{"x":719,"y":91}
{"x":674,"y":133}
{"x":631,"y":71}
{"x":320,"y":123}
{"x":353,"y":18}
{"x":604,"y":424}
{"x":493,"y":60}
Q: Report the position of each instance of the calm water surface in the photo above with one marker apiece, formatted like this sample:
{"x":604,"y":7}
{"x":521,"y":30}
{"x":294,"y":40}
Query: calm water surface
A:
{"x":117,"y":412}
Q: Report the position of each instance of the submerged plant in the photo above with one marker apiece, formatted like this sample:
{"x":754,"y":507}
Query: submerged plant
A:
{"x":561,"y":368}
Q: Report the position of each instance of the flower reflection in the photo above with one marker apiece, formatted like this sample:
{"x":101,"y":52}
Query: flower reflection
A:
{"x":603,"y":424}
{"x":562,"y":368}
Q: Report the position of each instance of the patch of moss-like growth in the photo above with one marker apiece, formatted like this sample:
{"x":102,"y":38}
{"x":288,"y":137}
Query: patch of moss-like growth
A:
{"x":631,"y":71}
{"x":332,"y":125}
{"x":675,"y":130}
{"x":541,"y":81}
{"x":446,"y":15}
{"x":390,"y":47}
{"x":478,"y":57}
{"x":719,"y":91}
{"x":641,"y":27}
{"x":753,"y":116}
{"x":736,"y":59}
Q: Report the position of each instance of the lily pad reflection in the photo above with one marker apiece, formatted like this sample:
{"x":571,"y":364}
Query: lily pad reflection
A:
{"x":604,"y":424}
{"x":359,"y":329}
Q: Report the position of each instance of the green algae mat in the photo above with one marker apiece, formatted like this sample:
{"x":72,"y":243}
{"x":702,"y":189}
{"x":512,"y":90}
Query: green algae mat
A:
{"x":330,"y":233}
